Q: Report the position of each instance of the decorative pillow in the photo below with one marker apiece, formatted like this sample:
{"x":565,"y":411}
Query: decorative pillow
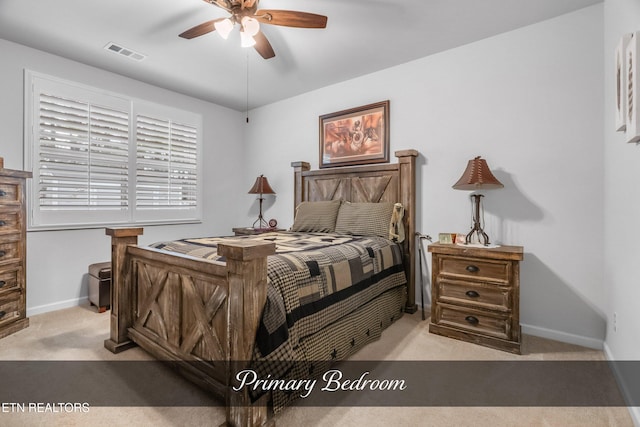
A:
{"x":364,"y":219}
{"x":316,"y":216}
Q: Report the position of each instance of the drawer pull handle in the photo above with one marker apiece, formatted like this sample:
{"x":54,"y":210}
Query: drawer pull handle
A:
{"x":2,"y":283}
{"x":472,"y":268}
{"x":2,"y":253}
{"x":472,"y":320}
{"x":2,"y":313}
{"x":3,"y":193}
{"x":472,"y":294}
{"x":2,"y":223}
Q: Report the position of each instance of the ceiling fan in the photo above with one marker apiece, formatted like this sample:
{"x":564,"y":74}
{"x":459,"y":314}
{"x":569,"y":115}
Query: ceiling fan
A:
{"x":246,"y":14}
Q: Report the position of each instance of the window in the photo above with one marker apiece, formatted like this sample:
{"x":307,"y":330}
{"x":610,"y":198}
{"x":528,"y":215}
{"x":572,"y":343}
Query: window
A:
{"x":104,"y":159}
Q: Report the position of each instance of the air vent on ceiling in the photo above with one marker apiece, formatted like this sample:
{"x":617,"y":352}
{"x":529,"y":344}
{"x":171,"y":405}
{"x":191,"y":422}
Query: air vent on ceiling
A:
{"x":129,"y":53}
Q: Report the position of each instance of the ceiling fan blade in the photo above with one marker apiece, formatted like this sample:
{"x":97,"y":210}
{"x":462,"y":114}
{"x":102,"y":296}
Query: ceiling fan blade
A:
{"x":249,"y":3}
{"x":199,"y":30}
{"x":291,"y":18}
{"x":263,"y":46}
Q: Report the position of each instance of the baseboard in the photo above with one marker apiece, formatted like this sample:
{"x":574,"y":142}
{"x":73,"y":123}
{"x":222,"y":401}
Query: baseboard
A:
{"x":32,"y":311}
{"x":562,"y":336}
{"x":634,"y":411}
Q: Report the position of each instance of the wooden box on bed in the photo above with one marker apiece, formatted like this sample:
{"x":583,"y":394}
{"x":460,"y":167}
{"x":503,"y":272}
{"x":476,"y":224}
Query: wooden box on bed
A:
{"x":183,"y":309}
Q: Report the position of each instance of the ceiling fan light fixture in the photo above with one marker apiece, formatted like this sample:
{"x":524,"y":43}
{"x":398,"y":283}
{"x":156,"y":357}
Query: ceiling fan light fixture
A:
{"x":224,"y":27}
{"x":251,"y":25}
{"x":249,"y":17}
{"x":246,"y":40}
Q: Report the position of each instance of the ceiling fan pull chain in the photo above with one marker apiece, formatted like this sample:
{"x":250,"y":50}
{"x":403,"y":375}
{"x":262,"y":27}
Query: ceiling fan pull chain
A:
{"x":247,"y":105}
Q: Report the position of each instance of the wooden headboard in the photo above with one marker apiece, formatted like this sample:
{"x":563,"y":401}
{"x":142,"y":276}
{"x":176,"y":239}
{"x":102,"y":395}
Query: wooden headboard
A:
{"x":393,"y":182}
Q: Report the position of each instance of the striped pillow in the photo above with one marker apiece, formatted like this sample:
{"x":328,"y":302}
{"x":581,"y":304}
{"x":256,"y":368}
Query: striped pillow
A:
{"x":364,"y":219}
{"x":316,"y":216}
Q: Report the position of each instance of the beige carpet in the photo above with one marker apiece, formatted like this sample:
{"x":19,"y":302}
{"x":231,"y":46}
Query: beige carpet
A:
{"x":78,"y":333}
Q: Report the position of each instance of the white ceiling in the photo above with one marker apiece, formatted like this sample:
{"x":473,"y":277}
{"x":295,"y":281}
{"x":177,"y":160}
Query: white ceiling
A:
{"x":362,"y":36}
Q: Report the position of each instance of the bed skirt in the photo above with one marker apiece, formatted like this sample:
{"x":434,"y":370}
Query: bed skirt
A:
{"x":343,"y":338}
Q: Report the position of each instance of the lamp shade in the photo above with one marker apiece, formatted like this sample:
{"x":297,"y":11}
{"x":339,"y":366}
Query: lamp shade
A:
{"x":246,"y":40}
{"x":250,"y":25}
{"x":477,"y":175}
{"x":224,"y":27}
{"x":261,"y":186}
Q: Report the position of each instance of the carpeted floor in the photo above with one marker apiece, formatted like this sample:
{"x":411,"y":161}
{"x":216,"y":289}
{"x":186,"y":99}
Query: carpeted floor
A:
{"x":78,"y":334}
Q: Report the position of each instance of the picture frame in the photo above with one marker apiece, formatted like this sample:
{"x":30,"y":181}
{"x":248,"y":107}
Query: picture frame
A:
{"x":446,"y":238}
{"x":621,"y":83}
{"x":356,"y":136}
{"x":632,"y":116}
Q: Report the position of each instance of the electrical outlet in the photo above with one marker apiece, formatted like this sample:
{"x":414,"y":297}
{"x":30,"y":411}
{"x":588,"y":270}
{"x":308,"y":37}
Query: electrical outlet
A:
{"x":615,"y":322}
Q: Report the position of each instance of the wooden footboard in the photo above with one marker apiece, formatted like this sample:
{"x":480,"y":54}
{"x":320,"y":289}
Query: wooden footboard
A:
{"x":200,"y":315}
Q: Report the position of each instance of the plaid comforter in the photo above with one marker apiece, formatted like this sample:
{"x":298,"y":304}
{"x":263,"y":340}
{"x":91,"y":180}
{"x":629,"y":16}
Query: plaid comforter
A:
{"x":314,"y":280}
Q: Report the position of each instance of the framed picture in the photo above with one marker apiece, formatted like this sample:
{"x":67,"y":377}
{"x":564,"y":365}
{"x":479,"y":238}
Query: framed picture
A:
{"x":446,"y":238}
{"x":621,"y":83}
{"x":355,"y":137}
{"x":632,"y":130}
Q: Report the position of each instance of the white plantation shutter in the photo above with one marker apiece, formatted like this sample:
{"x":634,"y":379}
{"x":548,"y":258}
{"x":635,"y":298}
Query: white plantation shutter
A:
{"x":184,"y":169}
{"x":83,"y":155}
{"x":93,"y":165}
{"x":166,"y":167}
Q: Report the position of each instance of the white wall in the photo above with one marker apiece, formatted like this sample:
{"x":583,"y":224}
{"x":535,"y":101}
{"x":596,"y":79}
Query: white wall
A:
{"x":621,"y":203}
{"x":530,"y":102}
{"x":622,"y":206}
{"x":57,"y":261}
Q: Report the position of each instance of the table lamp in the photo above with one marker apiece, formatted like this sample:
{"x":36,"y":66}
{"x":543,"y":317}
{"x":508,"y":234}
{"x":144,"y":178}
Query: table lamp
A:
{"x":261,"y":186}
{"x":477,"y":176}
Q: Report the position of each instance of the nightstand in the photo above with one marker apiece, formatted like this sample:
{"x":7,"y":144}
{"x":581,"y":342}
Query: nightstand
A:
{"x":475,"y":294}
{"x":249,"y":231}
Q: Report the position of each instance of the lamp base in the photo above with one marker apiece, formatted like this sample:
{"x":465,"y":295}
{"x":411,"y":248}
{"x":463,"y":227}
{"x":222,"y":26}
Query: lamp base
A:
{"x":261,"y":223}
{"x":483,"y":238}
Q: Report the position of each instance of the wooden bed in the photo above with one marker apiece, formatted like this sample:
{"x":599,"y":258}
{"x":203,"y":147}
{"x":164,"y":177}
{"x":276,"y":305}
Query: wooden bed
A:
{"x":205,"y":314}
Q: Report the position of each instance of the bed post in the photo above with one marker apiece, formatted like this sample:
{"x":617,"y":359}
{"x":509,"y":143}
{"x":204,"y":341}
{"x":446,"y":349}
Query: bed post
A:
{"x":407,"y":170}
{"x":298,"y":189}
{"x":247,"y":277}
{"x":121,"y":293}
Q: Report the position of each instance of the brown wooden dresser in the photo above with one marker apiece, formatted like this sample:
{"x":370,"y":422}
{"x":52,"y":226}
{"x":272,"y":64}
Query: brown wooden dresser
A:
{"x":13,"y":250}
{"x":475,"y":294}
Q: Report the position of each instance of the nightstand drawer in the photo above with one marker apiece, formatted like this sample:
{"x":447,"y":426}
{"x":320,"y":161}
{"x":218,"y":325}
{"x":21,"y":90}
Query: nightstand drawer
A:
{"x":474,"y":321}
{"x":496,"y":271}
{"x":487,"y":296}
{"x":10,"y":308}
